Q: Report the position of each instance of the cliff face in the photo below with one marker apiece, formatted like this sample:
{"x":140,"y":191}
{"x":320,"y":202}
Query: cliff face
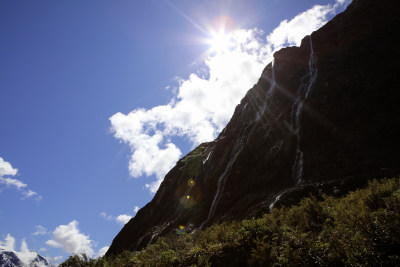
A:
{"x":323,"y":118}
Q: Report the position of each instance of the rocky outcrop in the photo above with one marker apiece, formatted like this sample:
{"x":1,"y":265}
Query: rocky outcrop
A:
{"x":11,"y":258}
{"x":323,"y":118}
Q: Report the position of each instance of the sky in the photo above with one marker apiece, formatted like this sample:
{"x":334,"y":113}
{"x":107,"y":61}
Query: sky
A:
{"x":99,"y":99}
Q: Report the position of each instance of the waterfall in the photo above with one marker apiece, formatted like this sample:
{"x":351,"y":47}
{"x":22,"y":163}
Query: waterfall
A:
{"x":271,"y":206}
{"x":273,"y":78}
{"x":222,"y":179}
{"x":270,"y":90}
{"x":244,"y":108}
{"x":152,"y":237}
{"x":297,"y":171}
{"x":220,"y":189}
{"x":204,"y":161}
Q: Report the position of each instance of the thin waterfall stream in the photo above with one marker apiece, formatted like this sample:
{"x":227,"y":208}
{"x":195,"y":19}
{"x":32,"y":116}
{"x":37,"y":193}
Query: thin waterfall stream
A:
{"x":238,"y":148}
{"x":269,"y":92}
{"x":297,"y":171}
{"x":222,"y":179}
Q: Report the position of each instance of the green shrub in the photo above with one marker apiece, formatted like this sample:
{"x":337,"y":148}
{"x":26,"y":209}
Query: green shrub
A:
{"x":360,"y":229}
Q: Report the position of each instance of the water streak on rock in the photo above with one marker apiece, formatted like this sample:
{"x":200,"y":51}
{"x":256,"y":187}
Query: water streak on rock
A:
{"x":297,"y":110}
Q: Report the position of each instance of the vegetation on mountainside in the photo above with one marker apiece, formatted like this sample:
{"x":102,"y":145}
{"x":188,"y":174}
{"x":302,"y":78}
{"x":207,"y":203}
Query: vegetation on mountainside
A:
{"x":360,"y":229}
{"x":193,"y":161}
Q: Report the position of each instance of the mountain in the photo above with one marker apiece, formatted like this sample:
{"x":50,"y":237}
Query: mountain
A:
{"x":11,"y":258}
{"x":323,"y":118}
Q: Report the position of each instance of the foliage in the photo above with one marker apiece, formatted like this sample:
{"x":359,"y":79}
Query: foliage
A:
{"x":76,"y":261}
{"x":193,"y":161}
{"x":360,"y":229}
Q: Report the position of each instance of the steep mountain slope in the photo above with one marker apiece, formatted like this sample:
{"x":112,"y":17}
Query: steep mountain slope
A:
{"x":11,"y":258}
{"x":324,"y":117}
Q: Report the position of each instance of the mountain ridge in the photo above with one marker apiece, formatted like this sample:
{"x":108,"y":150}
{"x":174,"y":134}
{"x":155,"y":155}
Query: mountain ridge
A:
{"x":11,"y":258}
{"x":323,"y":118}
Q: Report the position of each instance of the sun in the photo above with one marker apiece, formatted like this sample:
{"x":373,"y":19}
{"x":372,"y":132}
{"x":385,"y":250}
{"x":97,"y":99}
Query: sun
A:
{"x":220,"y":42}
{"x":220,"y":35}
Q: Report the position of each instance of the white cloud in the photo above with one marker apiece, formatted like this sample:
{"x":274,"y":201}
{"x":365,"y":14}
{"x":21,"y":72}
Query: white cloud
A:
{"x":7,"y":170}
{"x":40,"y":230}
{"x":30,"y":193}
{"x":106,"y":216}
{"x":9,"y":242}
{"x":136,"y":209}
{"x":204,"y":103}
{"x":70,"y":239}
{"x":24,"y":246}
{"x":292,"y":32}
{"x":342,"y":2}
{"x":120,"y":219}
{"x":13,"y":182}
{"x":102,"y":251}
{"x":151,"y":154}
{"x":123,"y":218}
{"x":54,"y":260}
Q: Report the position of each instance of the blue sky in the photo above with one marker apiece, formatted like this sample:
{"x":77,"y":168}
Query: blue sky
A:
{"x":100,"y":98}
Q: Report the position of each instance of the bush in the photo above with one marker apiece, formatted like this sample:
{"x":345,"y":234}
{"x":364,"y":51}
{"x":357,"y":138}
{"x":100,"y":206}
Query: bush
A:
{"x":360,"y":229}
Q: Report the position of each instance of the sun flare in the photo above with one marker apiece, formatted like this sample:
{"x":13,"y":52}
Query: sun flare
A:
{"x":220,"y":42}
{"x":220,"y":34}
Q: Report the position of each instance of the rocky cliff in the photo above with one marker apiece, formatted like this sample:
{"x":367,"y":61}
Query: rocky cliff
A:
{"x":323,"y":118}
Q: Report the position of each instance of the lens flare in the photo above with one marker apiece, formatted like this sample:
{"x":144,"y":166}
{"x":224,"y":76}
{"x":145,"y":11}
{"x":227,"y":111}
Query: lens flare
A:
{"x":191,"y":183}
{"x":187,"y":201}
{"x":181,"y":230}
{"x":224,"y":23}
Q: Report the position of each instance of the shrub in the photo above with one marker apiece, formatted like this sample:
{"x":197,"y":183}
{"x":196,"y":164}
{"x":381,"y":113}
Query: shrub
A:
{"x":360,"y":229}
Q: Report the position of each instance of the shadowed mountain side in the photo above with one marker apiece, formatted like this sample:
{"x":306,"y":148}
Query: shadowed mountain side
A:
{"x":323,"y":118}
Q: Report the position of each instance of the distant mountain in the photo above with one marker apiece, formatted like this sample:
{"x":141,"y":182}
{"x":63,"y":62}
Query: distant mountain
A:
{"x":323,"y":118}
{"x":11,"y":258}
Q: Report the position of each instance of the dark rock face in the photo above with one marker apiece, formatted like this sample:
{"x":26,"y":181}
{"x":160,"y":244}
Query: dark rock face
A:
{"x":9,"y":259}
{"x":323,"y":118}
